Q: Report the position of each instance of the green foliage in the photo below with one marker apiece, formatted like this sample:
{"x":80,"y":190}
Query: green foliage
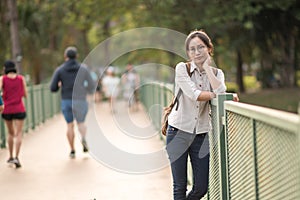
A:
{"x":232,"y":87}
{"x":298,"y":78}
{"x":249,"y":27}
{"x":274,"y":98}
{"x":251,"y":84}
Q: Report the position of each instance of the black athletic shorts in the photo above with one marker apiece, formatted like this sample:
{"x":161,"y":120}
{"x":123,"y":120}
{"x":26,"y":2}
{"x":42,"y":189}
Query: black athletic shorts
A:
{"x":14,"y":116}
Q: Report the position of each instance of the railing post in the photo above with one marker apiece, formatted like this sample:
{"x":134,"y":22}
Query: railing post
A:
{"x":222,"y":144}
{"x":298,"y":147}
{"x":43,"y":103}
{"x":255,"y":159}
{"x":159,"y":107}
{"x":27,"y":106}
{"x":52,"y":105}
{"x":32,"y":105}
{"x":163,"y":104}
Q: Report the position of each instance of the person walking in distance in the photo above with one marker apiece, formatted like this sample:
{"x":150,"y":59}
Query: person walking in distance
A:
{"x":189,"y":121}
{"x":75,"y":82}
{"x":131,"y":82}
{"x":13,"y":87}
{"x":110,"y":83}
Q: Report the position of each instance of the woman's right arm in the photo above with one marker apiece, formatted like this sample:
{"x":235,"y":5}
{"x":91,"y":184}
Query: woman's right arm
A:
{"x":188,"y":87}
{"x":206,"y":96}
{"x":183,"y":80}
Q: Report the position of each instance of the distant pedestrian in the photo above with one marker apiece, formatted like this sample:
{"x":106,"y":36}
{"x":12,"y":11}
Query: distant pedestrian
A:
{"x":110,"y":84}
{"x":75,"y":82}
{"x":130,"y":83}
{"x":14,"y":89}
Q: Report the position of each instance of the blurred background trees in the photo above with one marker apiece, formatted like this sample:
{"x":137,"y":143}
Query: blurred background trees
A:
{"x":256,"y":41}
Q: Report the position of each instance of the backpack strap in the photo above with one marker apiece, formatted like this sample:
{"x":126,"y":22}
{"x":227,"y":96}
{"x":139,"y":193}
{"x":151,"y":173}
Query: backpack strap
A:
{"x":188,"y":69}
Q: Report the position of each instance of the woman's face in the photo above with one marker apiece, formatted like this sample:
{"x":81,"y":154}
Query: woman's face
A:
{"x":197,"y":51}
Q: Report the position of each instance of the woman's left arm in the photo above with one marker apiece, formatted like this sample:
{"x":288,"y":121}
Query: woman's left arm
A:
{"x":1,"y":82}
{"x":25,"y":87}
{"x":217,"y":82}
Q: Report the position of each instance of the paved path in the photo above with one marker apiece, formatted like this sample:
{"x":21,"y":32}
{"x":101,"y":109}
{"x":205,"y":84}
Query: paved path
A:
{"x":48,"y":173}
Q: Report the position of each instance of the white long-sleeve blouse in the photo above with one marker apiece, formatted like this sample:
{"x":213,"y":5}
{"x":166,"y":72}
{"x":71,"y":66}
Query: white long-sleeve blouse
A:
{"x":192,"y":114}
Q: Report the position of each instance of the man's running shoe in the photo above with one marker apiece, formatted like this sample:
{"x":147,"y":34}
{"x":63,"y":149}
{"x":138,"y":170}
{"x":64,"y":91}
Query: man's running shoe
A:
{"x":84,"y":145}
{"x":17,"y":163}
{"x":72,"y":154}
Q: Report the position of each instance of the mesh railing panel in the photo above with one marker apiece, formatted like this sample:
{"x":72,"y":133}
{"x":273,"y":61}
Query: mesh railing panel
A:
{"x":214,"y":173}
{"x":241,"y":171}
{"x":260,"y":160}
{"x":278,"y":165}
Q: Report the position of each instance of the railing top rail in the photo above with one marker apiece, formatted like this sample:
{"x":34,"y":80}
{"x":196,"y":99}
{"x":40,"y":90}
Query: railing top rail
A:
{"x":277,"y":118}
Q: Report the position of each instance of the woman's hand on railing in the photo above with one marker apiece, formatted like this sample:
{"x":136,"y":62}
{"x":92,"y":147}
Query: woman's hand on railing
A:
{"x":235,"y":97}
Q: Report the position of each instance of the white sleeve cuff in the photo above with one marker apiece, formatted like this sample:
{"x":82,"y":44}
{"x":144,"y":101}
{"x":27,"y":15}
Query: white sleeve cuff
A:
{"x":197,"y":94}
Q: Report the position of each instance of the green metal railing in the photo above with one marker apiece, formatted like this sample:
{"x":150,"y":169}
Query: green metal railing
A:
{"x":254,"y":151}
{"x":156,"y":96}
{"x":263,"y":157}
{"x":40,"y":104}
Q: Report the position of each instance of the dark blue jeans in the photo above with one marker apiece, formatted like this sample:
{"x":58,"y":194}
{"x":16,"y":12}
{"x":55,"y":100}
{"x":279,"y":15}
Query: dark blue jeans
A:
{"x":180,"y":145}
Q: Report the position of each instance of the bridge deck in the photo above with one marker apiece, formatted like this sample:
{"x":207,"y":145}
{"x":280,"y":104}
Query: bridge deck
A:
{"x":48,"y":173}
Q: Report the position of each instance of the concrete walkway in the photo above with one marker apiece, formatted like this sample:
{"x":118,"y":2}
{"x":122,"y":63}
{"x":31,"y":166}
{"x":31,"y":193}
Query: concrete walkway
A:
{"x":48,"y":173}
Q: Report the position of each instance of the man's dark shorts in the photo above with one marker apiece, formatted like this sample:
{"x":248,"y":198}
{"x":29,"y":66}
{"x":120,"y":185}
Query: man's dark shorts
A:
{"x":74,"y":109}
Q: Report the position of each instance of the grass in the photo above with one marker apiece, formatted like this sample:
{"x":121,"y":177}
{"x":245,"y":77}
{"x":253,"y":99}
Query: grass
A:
{"x":286,"y":99}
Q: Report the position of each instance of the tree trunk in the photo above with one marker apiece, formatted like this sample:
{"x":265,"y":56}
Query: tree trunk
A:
{"x":239,"y":74}
{"x":14,"y":32}
{"x":86,"y":48}
{"x":4,"y":32}
{"x":296,"y":63}
{"x":266,"y":73}
{"x":106,"y":33}
{"x":287,"y":45}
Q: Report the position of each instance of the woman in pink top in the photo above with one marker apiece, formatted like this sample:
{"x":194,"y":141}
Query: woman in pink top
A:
{"x":13,"y":88}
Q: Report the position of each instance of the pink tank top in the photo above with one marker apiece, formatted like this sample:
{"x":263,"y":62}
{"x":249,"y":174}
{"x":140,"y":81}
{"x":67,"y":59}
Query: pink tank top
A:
{"x":13,"y":91}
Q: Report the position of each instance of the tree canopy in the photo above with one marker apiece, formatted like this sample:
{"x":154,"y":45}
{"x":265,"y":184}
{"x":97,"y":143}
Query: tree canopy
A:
{"x":259,"y":34}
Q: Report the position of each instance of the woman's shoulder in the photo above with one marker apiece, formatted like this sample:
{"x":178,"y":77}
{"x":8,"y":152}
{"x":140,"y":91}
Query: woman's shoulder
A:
{"x":180,"y":64}
{"x":181,"y":67}
{"x":217,"y":70}
{"x":20,"y":76}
